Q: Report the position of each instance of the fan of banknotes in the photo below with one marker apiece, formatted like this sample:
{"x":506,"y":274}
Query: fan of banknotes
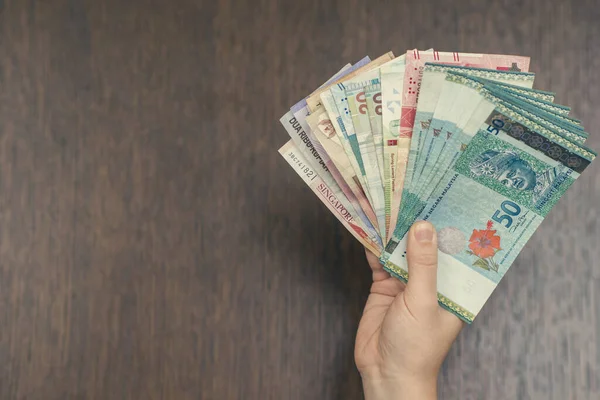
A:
{"x":461,"y":140}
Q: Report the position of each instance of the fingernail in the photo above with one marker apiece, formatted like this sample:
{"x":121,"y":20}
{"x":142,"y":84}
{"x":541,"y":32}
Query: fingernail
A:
{"x":424,"y":232}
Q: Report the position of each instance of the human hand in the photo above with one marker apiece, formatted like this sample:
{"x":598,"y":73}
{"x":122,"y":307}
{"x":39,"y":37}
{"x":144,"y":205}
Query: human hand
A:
{"x":404,"y":335}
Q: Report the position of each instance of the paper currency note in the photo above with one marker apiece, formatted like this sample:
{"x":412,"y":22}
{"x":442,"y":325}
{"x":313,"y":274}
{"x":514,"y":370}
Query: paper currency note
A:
{"x":441,"y":109}
{"x":555,"y":111}
{"x":348,"y":137}
{"x":556,"y":121}
{"x":480,"y":97}
{"x":429,"y":130}
{"x":298,"y":134}
{"x":345,"y":70}
{"x":298,"y":162}
{"x":358,"y":203}
{"x":314,"y":100}
{"x":340,"y":128}
{"x":300,"y":112}
{"x":537,"y":98}
{"x":324,"y":130}
{"x":492,"y":200}
{"x":415,"y":62}
{"x":452,"y":123}
{"x":413,"y":79}
{"x":310,"y":138}
{"x":374,"y":110}
{"x":448,"y":108}
{"x":392,"y":83}
{"x":535,"y":93}
{"x":357,"y":105}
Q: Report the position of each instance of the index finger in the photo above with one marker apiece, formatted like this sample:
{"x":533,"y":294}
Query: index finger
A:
{"x":379,"y":273}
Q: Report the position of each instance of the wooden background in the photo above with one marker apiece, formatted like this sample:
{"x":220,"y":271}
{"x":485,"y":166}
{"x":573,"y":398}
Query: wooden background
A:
{"x":154,"y":245}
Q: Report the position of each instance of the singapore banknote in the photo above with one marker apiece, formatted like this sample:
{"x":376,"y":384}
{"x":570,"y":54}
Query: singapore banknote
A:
{"x":324,"y":130}
{"x":295,"y":124}
{"x":309,"y":154}
{"x":298,"y":162}
{"x":306,"y":136}
{"x":310,"y":138}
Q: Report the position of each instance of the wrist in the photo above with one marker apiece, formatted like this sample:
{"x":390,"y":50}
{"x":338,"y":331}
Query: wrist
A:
{"x":399,"y":388}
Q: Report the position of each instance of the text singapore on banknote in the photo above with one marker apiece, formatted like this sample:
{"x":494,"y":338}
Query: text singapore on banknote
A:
{"x":461,"y":140}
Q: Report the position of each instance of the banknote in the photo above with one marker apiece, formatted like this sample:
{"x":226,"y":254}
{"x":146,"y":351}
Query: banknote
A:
{"x":339,"y":126}
{"x":537,"y":98}
{"x":414,"y":78}
{"x":305,"y":141}
{"x":543,"y":95}
{"x":357,"y":106}
{"x":428,"y":130}
{"x":310,"y":138}
{"x":443,"y":105}
{"x":348,"y":134}
{"x":345,"y":70}
{"x":356,"y":197}
{"x":539,"y":102}
{"x":300,"y":111}
{"x":532,"y":107}
{"x":323,"y":129}
{"x":392,"y":83}
{"x":415,"y":62}
{"x":300,"y":164}
{"x":557,"y":121}
{"x":491,"y":201}
{"x":450,"y":107}
{"x":374,"y":110}
{"x":349,"y":139}
{"x":458,"y":140}
{"x":541,"y":114}
{"x":303,"y":146}
{"x":314,"y":100}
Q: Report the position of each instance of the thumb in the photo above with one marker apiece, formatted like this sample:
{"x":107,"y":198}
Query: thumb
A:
{"x":422,"y":257}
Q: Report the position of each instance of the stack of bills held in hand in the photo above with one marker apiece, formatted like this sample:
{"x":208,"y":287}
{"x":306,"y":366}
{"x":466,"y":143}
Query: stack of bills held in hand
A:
{"x":461,"y":140}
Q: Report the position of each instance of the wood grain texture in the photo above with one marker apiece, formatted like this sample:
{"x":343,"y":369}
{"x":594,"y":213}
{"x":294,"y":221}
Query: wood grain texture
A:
{"x":154,"y":245}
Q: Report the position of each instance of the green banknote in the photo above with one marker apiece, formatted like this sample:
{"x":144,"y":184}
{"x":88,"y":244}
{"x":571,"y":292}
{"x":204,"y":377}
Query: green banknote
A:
{"x":509,"y":173}
{"x":439,"y":102}
{"x":457,"y":140}
{"x":431,"y":138}
{"x":433,"y":170}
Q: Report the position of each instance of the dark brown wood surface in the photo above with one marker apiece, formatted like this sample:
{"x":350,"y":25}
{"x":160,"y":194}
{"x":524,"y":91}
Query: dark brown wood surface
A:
{"x":154,"y":245}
